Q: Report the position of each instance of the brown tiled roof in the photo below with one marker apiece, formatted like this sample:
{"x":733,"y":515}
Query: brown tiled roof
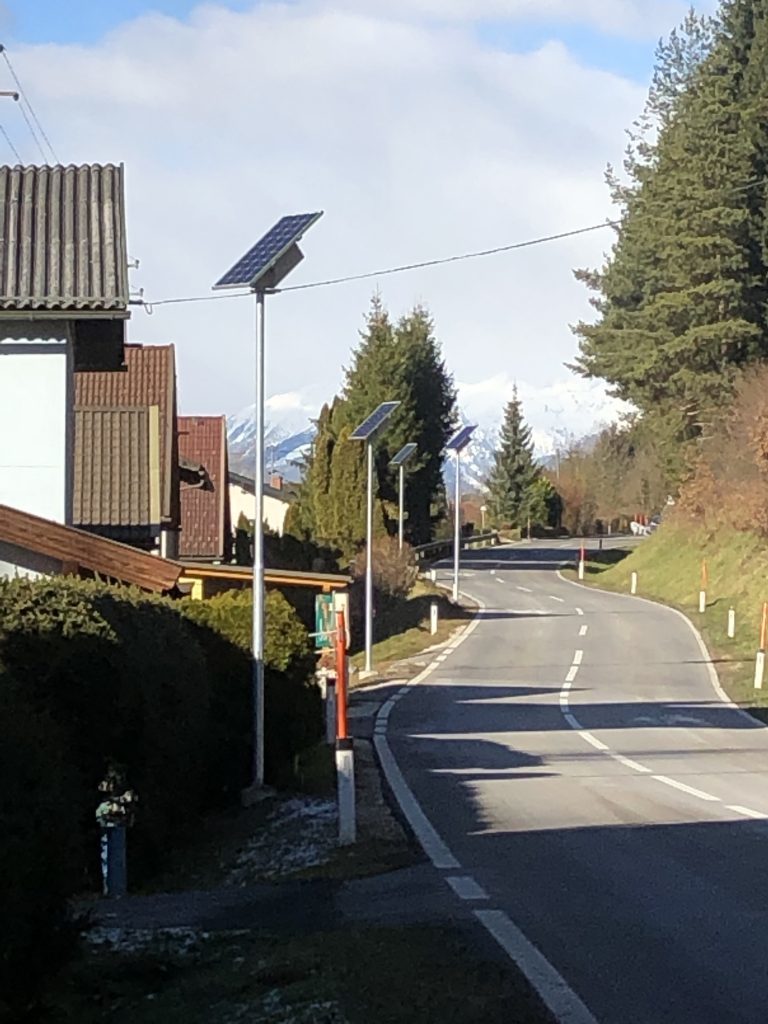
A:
{"x":117,"y":466}
{"x":79,"y":551}
{"x":149,"y":378}
{"x":205,"y":517}
{"x":62,"y":239}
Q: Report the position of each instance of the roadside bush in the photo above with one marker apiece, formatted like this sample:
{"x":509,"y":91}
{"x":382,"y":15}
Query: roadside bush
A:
{"x":93,"y":676}
{"x":394,"y":571}
{"x":38,"y":850}
{"x":291,"y":699}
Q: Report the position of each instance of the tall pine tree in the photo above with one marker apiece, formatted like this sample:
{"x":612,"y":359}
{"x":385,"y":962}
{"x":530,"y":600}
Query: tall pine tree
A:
{"x":682,"y":297}
{"x":514,"y":473}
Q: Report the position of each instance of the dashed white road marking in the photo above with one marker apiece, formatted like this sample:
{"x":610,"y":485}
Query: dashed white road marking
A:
{"x":583,"y":630}
{"x":561,"y":1000}
{"x":629,"y":763}
{"x":593,"y":741}
{"x":747,"y":811}
{"x":466,"y":888}
{"x":573,"y":671}
{"x":525,"y":590}
{"x":499,"y":579}
{"x":686,"y":789}
{"x":577,"y":658}
{"x":579,"y":611}
{"x":560,"y":600}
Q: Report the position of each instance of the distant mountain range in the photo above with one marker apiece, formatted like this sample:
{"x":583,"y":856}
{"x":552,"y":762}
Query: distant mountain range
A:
{"x":289,"y":434}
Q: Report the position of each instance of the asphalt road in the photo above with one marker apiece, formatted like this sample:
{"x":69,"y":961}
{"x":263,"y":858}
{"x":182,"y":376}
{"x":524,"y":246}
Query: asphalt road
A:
{"x":591,"y":792}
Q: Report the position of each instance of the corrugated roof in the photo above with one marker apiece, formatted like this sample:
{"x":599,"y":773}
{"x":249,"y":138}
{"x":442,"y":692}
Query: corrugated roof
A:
{"x":205,"y":517}
{"x":116,"y":470}
{"x":81,"y":551}
{"x":62,"y":239}
{"x":149,"y":378}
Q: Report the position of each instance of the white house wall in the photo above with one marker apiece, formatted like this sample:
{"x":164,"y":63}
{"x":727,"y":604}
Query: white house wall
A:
{"x":36,"y":424}
{"x":243,"y":501}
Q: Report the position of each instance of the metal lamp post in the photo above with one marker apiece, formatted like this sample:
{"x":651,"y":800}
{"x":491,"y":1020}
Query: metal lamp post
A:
{"x":398,"y":463}
{"x":261,"y":270}
{"x":457,"y":444}
{"x":367,"y":431}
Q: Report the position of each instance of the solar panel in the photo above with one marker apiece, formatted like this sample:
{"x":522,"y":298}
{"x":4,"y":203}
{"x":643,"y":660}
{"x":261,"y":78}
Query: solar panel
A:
{"x":460,"y":439}
{"x":375,"y":421}
{"x":262,"y":256}
{"x":404,"y":454}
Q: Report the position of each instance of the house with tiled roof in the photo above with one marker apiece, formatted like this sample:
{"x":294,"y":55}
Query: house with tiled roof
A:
{"x":126,"y":465}
{"x":206,"y":527}
{"x":63,"y":308}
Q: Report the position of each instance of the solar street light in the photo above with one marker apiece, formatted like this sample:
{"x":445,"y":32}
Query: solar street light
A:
{"x":261,"y":269}
{"x":457,"y":444}
{"x":398,"y":462}
{"x":367,"y":431}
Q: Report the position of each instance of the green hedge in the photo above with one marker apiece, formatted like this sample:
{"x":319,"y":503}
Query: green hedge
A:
{"x":92,"y":675}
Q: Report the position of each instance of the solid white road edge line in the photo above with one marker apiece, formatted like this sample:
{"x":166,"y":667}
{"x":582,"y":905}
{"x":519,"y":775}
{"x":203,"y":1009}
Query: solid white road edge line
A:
{"x":560,"y":999}
{"x":551,"y":986}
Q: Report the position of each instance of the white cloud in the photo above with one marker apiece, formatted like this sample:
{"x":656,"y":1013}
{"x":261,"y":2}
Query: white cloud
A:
{"x":417,"y":140}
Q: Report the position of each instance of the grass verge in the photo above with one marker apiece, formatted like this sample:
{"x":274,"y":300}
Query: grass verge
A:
{"x":408,"y":626}
{"x":669,"y":569}
{"x":368,"y":975}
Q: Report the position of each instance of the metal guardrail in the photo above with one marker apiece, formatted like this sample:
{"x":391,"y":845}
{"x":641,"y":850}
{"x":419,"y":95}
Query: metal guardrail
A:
{"x":436,"y":548}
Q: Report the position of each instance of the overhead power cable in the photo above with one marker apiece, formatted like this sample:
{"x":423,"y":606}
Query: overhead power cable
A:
{"x":328,"y":282}
{"x":7,"y":138}
{"x":400,"y":269}
{"x":25,"y":103}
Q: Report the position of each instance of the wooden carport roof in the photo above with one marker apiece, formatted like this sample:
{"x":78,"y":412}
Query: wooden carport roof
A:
{"x":79,"y":551}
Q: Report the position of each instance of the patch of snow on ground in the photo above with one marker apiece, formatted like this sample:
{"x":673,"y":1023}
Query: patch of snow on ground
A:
{"x":175,"y":941}
{"x":299,"y":833}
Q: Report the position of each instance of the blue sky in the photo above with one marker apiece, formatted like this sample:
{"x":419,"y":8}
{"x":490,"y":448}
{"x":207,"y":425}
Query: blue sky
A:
{"x":87,"y":21}
{"x":393,"y":114}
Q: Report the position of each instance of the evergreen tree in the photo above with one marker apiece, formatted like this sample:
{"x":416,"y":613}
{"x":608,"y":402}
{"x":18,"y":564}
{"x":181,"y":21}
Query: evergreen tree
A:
{"x":514,"y":472}
{"x":403,"y":363}
{"x":682,"y":297}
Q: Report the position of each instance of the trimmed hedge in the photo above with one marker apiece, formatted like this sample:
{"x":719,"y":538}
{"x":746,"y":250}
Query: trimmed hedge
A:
{"x":92,"y":675}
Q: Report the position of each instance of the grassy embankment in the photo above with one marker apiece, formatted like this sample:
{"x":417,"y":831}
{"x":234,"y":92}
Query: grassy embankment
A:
{"x":668,"y":566}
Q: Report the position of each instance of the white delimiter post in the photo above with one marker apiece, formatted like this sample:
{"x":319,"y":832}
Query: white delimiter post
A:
{"x":433,"y":614}
{"x":258,"y":555}
{"x":369,"y":565}
{"x":401,"y":509}
{"x":457,"y":528}
{"x":633,"y":583}
{"x":731,"y":623}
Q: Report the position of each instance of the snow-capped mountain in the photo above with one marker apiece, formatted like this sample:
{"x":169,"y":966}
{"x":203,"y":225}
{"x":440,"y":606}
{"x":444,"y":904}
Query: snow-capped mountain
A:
{"x":288,"y":435}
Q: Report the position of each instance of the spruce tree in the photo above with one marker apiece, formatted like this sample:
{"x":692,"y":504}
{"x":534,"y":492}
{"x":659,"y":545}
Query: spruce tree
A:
{"x":682,"y":297}
{"x":514,"y":472}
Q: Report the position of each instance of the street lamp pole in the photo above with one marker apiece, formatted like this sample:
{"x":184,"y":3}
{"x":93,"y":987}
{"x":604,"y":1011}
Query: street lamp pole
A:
{"x":457,"y":527}
{"x":258,"y":553}
{"x":369,"y":562}
{"x":401,"y":509}
{"x":261,"y":269}
{"x":457,"y":444}
{"x":366,"y":432}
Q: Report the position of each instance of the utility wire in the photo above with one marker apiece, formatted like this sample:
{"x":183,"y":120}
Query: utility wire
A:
{"x":427,"y":263}
{"x":25,"y":100}
{"x":451,"y":259}
{"x":7,"y":138}
{"x":400,"y":269}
